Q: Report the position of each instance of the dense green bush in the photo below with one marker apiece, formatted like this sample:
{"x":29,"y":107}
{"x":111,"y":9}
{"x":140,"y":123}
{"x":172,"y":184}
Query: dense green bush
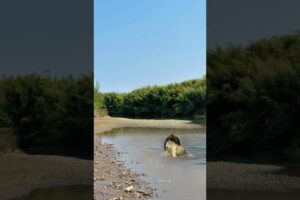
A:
{"x":48,"y":113}
{"x":254,"y":96}
{"x":176,"y":100}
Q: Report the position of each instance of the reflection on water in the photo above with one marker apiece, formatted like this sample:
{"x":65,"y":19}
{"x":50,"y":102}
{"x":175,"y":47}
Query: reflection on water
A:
{"x":174,"y":178}
{"x":80,"y":192}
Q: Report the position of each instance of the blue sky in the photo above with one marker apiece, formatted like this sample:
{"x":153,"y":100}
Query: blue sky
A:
{"x":148,"y":42}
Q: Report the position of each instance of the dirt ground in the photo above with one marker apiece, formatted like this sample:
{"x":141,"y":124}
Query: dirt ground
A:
{"x":108,"y":123}
{"x":249,"y":177}
{"x":21,"y":173}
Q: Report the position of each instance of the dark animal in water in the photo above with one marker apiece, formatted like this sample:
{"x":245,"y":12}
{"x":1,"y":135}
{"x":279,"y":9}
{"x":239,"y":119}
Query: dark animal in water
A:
{"x":172,"y":138}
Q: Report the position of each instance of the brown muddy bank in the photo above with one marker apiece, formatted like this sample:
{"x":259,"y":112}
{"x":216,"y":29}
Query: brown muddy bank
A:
{"x":230,"y":176}
{"x":21,"y":173}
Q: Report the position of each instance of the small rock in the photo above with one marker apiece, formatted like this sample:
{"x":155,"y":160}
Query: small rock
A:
{"x":129,"y":188}
{"x":118,"y":187}
{"x":137,"y":195}
{"x":143,"y":192}
{"x":116,"y":198}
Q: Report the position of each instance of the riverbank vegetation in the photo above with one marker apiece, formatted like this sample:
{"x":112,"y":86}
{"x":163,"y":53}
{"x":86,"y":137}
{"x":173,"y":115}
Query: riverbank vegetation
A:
{"x":254,"y":96}
{"x":44,"y":113}
{"x":99,"y":107}
{"x":185,"y":100}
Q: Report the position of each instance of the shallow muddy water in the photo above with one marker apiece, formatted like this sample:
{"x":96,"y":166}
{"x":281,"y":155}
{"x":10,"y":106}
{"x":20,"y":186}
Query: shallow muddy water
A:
{"x":78,"y":192}
{"x":174,"y":178}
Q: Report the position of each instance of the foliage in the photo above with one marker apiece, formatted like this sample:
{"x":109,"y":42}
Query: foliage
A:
{"x":176,"y":100}
{"x":99,"y":107}
{"x":45,"y":112}
{"x":253,"y":96}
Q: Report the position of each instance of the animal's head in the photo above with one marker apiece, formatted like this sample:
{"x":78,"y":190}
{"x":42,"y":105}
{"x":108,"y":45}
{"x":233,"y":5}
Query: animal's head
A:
{"x":172,"y":138}
{"x":174,"y":149}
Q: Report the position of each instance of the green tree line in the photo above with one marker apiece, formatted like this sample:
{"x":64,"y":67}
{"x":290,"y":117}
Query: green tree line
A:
{"x":44,"y":113}
{"x":176,"y":100}
{"x":254,"y":96}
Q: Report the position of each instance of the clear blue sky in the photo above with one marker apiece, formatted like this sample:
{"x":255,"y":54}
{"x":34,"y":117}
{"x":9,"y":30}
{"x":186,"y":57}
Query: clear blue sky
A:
{"x":148,"y":42}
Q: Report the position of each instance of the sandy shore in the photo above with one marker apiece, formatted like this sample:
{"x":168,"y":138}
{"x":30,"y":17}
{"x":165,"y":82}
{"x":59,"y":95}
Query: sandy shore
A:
{"x":111,"y":176}
{"x":21,"y":173}
{"x":108,"y":123}
{"x":249,"y":177}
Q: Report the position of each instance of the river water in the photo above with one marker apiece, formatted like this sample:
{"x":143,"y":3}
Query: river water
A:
{"x":174,"y":178}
